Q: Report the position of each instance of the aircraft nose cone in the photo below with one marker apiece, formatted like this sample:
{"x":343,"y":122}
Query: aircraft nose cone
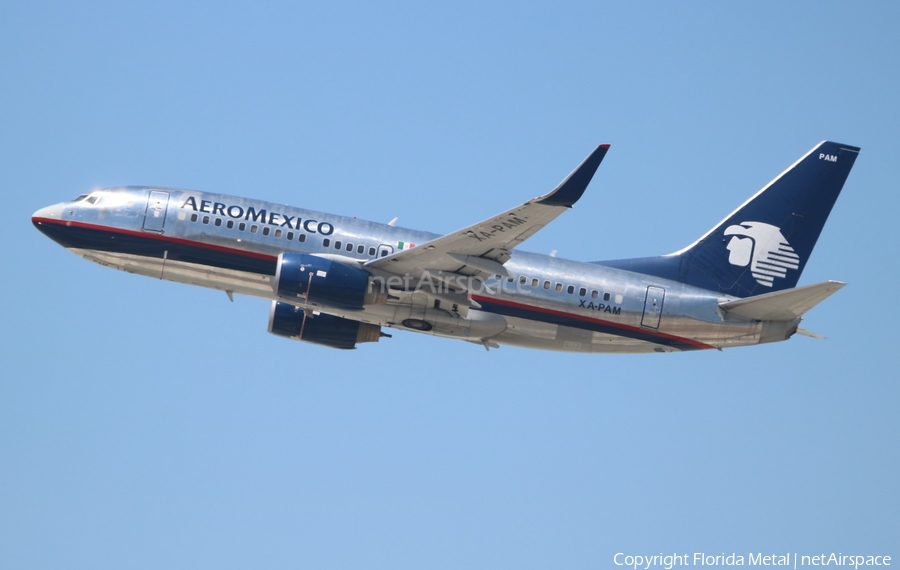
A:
{"x":53,"y":212}
{"x":47,"y":218}
{"x":49,"y":213}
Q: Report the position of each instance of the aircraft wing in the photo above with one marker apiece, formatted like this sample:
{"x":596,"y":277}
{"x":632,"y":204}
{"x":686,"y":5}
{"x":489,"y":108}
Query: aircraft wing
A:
{"x":483,"y":248}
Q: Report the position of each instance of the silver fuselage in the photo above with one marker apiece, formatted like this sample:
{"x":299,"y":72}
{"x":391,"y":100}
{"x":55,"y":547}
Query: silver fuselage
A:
{"x":232,"y":244}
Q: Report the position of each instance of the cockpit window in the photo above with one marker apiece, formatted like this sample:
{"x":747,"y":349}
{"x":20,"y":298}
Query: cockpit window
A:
{"x":91,"y":198}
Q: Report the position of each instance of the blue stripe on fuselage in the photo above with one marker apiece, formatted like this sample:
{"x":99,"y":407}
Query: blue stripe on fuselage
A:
{"x":513,"y":309}
{"x":99,"y":238}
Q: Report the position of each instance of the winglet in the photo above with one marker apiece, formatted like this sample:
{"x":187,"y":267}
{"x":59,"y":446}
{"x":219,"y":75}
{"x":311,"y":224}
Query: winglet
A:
{"x":570,"y":190}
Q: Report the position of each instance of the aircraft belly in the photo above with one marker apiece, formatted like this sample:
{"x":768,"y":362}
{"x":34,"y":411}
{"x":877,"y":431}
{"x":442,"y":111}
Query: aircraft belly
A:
{"x":241,"y":282}
{"x":576,"y":340}
{"x":504,"y":329}
{"x":527,"y":333}
{"x":719,"y":334}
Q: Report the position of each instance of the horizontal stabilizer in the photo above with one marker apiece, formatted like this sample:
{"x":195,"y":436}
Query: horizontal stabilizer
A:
{"x":810,"y":334}
{"x":784,"y":305}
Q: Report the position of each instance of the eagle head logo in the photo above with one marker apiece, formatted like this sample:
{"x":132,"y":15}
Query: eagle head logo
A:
{"x":764,"y":248}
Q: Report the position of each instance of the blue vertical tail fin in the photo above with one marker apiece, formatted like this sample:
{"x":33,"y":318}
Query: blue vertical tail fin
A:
{"x":764,"y":245}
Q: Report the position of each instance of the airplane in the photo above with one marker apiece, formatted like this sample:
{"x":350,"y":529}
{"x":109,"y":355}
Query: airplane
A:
{"x":337,"y":281}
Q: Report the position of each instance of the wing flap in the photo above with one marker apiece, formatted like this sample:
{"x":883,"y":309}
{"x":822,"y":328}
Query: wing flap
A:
{"x":784,"y":305}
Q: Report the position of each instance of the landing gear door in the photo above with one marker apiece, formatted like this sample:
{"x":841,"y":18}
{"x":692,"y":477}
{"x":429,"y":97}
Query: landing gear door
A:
{"x":155,"y":216}
{"x":653,"y":304}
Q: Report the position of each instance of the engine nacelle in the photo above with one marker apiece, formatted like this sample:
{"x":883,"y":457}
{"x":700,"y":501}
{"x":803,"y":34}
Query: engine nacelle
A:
{"x":321,"y":281}
{"x":290,"y":321}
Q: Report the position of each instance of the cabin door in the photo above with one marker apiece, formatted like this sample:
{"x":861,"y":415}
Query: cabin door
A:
{"x":385,"y":250}
{"x":653,"y":307}
{"x":155,"y":216}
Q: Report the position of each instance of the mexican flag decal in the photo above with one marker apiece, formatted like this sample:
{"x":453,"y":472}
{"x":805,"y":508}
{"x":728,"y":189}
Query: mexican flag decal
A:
{"x":404,"y":245}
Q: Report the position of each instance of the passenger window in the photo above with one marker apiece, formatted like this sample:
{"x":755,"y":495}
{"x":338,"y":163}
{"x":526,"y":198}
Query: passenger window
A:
{"x":535,"y":282}
{"x":546,"y":285}
{"x":349,"y":247}
{"x":278,"y":233}
{"x":193,"y":217}
{"x":337,"y":245}
{"x":558,"y":287}
{"x":266,"y":231}
{"x":229,"y":224}
{"x":290,"y":236}
{"x":582,"y":292}
{"x":594,"y":294}
{"x":371,"y":251}
{"x":384,"y":253}
{"x":205,"y":219}
{"x":361,"y":249}
{"x":326,"y":242}
{"x":242,"y":226}
{"x":218,"y":222}
{"x":523,"y":280}
{"x":570,"y":290}
{"x":254,"y":228}
{"x":606,"y":296}
{"x":301,"y":238}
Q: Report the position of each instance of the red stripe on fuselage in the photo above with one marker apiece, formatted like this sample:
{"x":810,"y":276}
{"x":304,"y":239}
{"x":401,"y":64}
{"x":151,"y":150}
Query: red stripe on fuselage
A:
{"x":154,"y":236}
{"x":158,"y":237}
{"x":587,"y":319}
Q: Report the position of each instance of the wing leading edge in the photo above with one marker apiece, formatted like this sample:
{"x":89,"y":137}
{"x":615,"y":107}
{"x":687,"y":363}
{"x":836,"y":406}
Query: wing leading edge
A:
{"x":483,"y":248}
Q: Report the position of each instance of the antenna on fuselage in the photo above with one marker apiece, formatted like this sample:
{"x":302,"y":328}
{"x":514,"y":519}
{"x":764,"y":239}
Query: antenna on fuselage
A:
{"x":393,"y":222}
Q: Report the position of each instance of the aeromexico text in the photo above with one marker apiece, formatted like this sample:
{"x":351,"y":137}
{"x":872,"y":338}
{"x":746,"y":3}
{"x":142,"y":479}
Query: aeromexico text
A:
{"x":261,"y":216}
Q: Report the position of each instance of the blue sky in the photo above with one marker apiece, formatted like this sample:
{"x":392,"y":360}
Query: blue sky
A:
{"x":145,"y":424}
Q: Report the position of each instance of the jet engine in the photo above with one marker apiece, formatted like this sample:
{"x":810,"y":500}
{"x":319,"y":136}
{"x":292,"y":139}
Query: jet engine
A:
{"x":324,"y":282}
{"x":293,"y":322}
